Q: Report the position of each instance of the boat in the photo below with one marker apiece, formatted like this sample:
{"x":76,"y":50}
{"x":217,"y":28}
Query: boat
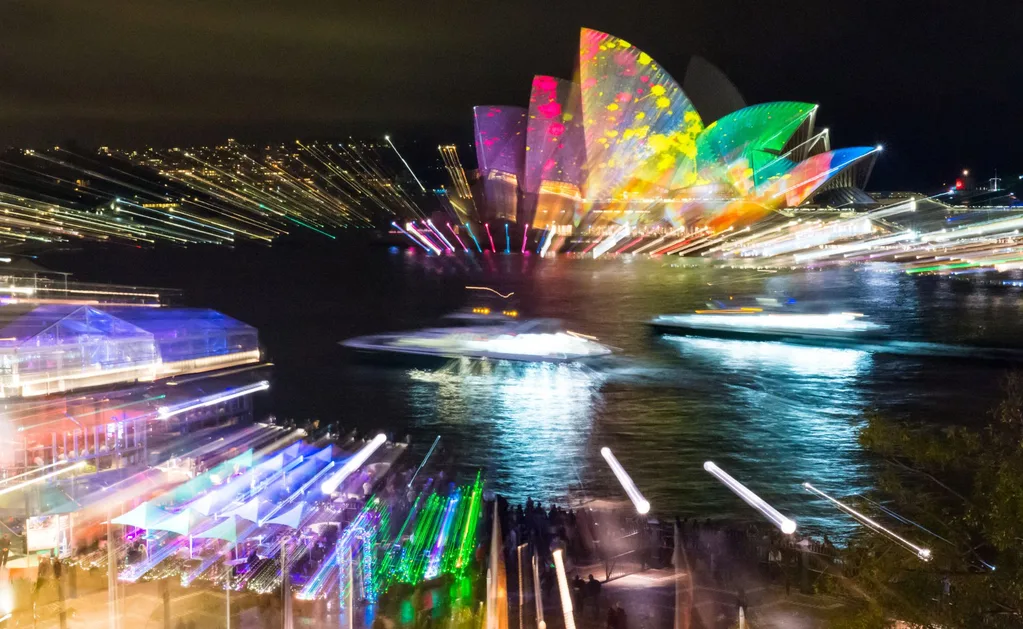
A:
{"x":826,"y":329}
{"x":484,"y":332}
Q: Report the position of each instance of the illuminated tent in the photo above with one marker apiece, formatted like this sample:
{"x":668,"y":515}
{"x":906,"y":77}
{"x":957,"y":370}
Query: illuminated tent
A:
{"x":184,"y":523}
{"x":291,"y":518}
{"x":254,"y":510}
{"x":144,"y":516}
{"x":232,"y":529}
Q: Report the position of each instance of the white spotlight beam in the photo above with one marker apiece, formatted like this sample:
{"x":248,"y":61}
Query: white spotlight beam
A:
{"x":787,"y":525}
{"x":642,"y":506}
{"x":921,"y":552}
{"x":352,"y":464}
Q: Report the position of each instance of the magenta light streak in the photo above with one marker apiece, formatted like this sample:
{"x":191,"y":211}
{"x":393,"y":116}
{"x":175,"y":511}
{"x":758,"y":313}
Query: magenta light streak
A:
{"x":492,"y":247}
{"x":525,"y":232}
{"x":622,"y":250}
{"x":450,"y":229}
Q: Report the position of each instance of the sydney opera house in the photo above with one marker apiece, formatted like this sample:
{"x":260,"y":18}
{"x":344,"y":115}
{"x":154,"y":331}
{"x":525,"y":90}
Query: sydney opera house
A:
{"x":623,"y":146}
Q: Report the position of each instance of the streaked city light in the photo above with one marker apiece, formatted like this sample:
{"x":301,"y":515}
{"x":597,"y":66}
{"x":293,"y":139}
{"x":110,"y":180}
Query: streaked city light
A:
{"x":166,"y":412}
{"x":563,"y":589}
{"x":921,"y":552}
{"x":641,"y":504}
{"x":785,"y":525}
{"x":352,"y":464}
{"x":39,"y":479}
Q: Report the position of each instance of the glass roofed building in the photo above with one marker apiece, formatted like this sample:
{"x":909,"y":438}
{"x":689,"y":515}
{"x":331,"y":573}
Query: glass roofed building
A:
{"x":189,"y":340}
{"x":51,"y":348}
{"x":622,"y":145}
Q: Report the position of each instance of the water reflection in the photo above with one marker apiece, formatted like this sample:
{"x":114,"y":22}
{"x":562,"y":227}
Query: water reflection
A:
{"x":797,"y":414}
{"x":739,"y":355}
{"x":533,"y":419}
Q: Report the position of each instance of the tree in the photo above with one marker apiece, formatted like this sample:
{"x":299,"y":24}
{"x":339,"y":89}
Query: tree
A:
{"x":964,"y":487}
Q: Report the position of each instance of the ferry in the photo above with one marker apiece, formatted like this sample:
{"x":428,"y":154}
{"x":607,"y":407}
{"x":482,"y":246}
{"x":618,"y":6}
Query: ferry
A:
{"x":836,"y":328}
{"x":484,"y":333}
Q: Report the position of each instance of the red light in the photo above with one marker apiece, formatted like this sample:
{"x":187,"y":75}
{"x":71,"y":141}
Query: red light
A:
{"x":959,"y":184}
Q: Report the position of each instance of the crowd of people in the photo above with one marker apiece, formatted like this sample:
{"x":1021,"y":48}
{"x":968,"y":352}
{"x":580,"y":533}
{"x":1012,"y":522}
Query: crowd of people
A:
{"x":614,"y":543}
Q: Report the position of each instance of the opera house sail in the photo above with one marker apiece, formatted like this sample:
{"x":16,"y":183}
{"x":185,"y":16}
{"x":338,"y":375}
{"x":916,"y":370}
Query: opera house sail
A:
{"x":620,"y":149}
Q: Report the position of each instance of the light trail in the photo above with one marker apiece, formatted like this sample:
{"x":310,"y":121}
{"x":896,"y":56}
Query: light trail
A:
{"x":473,"y":236}
{"x":453,"y":233}
{"x":566,"y":594}
{"x":425,"y":459}
{"x":547,"y":242}
{"x":921,"y":552}
{"x":410,"y":236}
{"x":525,"y":233}
{"x":446,"y":242}
{"x":29,"y":483}
{"x":352,"y":464}
{"x":786,"y":525}
{"x":424,"y":239}
{"x":421,"y":187}
{"x":40,"y":468}
{"x":487,"y":288}
{"x":166,"y":412}
{"x":493,"y":249}
{"x":642,"y":506}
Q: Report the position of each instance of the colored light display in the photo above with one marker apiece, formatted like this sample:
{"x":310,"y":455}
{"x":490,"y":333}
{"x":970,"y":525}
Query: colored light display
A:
{"x":624,"y":144}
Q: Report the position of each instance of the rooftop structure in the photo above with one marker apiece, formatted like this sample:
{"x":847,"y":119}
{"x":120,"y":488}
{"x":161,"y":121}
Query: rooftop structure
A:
{"x":53,"y":348}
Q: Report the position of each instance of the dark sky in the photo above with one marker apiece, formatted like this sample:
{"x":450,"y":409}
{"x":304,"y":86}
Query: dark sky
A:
{"x":940,"y":84}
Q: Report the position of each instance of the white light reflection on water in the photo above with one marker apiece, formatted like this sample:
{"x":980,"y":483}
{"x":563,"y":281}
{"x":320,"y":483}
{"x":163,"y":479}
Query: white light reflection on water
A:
{"x":536,"y":415}
{"x":828,"y":362}
{"x":798,"y":411}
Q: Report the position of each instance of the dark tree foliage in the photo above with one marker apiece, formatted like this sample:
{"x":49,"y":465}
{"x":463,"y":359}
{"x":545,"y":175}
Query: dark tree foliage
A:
{"x":964,"y":485}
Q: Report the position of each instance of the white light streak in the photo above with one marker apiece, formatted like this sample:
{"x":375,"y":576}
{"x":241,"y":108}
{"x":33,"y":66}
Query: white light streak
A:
{"x":611,"y":241}
{"x":421,"y":187}
{"x":166,"y":412}
{"x":566,"y":594}
{"x":786,"y":525}
{"x":352,"y":464}
{"x":642,"y":506}
{"x":921,"y":552}
{"x":13,"y":488}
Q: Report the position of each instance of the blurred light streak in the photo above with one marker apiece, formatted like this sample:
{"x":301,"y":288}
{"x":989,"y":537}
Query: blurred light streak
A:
{"x":447,"y":243}
{"x":642,"y":506}
{"x":29,"y":483}
{"x":923,"y":553}
{"x":426,"y":241}
{"x":473,"y":236}
{"x":611,"y":241}
{"x":492,"y":247}
{"x":566,"y":593}
{"x":411,"y":237}
{"x":166,"y":412}
{"x":425,"y":459}
{"x":352,"y":464}
{"x":453,"y":233}
{"x":786,"y":525}
{"x":421,"y":187}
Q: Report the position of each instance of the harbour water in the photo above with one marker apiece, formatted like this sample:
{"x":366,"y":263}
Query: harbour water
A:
{"x":772,"y":415}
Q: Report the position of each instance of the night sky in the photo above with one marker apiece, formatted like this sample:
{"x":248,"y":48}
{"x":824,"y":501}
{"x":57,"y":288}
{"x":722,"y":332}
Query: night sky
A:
{"x":940,"y":86}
